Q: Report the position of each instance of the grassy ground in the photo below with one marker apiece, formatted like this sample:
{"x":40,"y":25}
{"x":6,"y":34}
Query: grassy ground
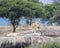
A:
{"x":23,"y":28}
{"x":44,"y":29}
{"x":55,"y":44}
{"x":48,"y":30}
{"x":17,"y":45}
{"x":9,"y":28}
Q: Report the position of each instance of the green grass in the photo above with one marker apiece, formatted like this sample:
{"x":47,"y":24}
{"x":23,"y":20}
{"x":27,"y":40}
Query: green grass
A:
{"x":47,"y":45}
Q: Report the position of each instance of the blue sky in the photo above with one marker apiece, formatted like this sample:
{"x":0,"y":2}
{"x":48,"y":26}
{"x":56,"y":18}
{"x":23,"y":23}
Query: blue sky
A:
{"x":46,"y":1}
{"x":4,"y":22}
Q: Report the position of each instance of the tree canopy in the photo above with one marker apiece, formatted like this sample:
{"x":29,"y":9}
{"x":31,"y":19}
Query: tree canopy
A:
{"x":14,"y":9}
{"x":56,"y":13}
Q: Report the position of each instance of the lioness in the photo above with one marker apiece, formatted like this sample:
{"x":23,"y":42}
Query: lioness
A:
{"x":35,"y":27}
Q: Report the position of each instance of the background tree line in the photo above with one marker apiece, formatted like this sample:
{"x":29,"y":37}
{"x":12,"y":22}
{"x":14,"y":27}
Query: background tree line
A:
{"x":15,"y":9}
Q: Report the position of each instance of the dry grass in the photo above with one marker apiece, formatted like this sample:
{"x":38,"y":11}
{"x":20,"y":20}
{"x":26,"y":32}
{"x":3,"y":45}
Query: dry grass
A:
{"x":5,"y":29}
{"x":9,"y":28}
{"x":25,"y":28}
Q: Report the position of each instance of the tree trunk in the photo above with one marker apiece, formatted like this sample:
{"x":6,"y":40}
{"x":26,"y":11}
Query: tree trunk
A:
{"x":14,"y":28}
{"x":13,"y":24}
{"x":30,"y":21}
{"x":27,"y":21}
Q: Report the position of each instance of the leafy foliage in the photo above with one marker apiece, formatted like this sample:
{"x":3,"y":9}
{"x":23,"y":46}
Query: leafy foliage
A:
{"x":49,"y":10}
{"x":56,"y":14}
{"x":14,"y":9}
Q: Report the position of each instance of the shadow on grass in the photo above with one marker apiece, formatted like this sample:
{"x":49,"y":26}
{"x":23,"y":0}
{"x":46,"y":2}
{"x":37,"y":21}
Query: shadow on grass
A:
{"x":17,"y":45}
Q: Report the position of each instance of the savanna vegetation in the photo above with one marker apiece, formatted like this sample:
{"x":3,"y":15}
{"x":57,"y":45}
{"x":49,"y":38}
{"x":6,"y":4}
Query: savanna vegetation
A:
{"x":15,"y":9}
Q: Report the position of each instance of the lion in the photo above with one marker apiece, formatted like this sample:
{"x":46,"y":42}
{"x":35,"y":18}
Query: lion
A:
{"x":35,"y":27}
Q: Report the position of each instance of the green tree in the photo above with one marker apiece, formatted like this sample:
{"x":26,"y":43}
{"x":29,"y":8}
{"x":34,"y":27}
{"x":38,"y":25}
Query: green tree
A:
{"x":34,"y":10}
{"x":56,"y":17}
{"x":36,"y":1}
{"x":14,"y":9}
{"x":49,"y":8}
